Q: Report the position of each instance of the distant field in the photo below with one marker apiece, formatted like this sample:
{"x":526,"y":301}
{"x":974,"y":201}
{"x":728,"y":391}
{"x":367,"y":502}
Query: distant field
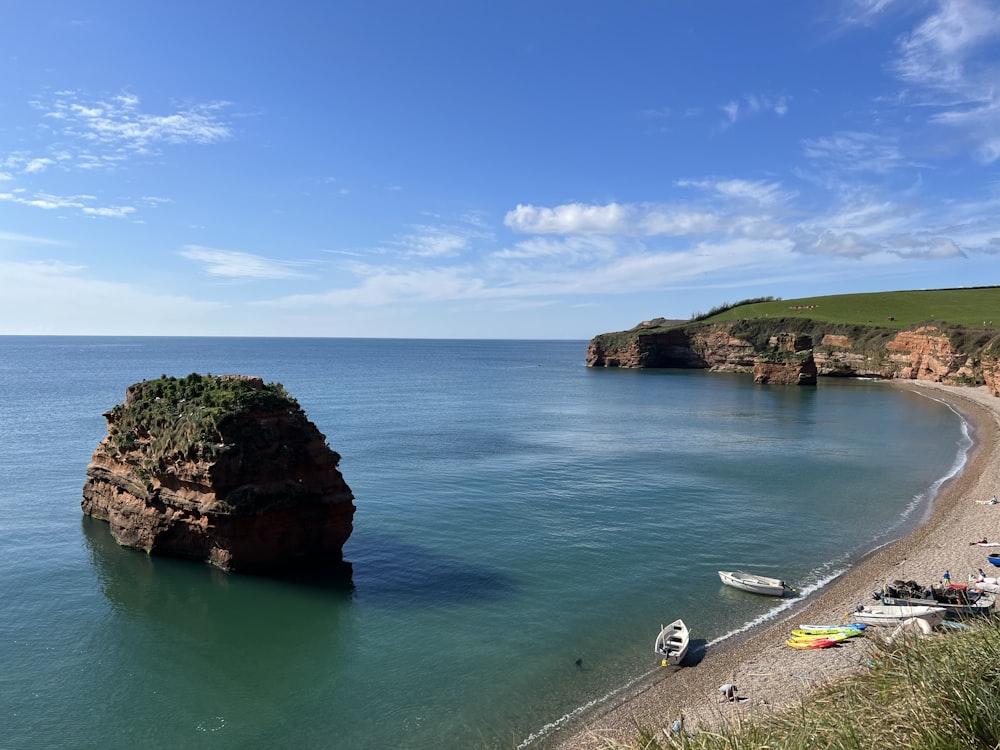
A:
{"x":973,"y":308}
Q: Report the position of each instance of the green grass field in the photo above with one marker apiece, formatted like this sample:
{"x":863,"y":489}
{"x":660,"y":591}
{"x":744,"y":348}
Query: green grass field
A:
{"x":976,"y":307}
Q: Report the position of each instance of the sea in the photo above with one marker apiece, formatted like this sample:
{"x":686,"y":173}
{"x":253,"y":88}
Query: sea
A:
{"x":525,"y":524}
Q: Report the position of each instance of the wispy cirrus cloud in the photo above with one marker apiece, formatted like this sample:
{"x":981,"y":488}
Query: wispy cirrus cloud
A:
{"x":82,"y":203}
{"x":87,"y":135}
{"x":852,"y":151}
{"x":235,"y":264}
{"x":121,"y":125}
{"x":752,"y":104}
{"x":760,"y":192}
{"x":945,"y":63}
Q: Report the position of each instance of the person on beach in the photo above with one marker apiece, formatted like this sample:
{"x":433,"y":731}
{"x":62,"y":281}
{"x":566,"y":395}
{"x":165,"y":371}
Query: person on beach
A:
{"x":728,"y":692}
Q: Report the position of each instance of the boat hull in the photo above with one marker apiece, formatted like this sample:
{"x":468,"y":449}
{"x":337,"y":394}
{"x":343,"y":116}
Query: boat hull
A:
{"x":982,"y":606}
{"x":890,"y":615}
{"x":753,"y":583}
{"x":672,"y":643}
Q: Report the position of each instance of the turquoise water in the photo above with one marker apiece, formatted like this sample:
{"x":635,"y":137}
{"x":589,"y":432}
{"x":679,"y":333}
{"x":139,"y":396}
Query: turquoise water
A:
{"x":516,"y":511}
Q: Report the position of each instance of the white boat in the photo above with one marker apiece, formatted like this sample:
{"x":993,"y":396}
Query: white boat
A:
{"x":672,"y":642}
{"x":754,"y":583}
{"x":894,"y":614}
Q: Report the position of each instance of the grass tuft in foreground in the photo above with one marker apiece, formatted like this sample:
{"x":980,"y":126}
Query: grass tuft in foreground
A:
{"x":941,"y":692}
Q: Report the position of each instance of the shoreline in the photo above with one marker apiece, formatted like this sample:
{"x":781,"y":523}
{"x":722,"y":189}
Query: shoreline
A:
{"x":772,"y":677}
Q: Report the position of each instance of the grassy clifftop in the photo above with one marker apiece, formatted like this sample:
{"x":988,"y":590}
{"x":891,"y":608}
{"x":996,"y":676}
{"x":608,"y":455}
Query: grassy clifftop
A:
{"x":975,"y":307}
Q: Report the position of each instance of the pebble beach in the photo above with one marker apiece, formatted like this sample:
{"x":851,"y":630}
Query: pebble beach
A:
{"x":770,"y":676}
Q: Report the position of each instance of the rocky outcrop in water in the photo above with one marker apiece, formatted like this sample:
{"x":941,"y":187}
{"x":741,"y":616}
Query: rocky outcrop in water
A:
{"x":223,"y":469}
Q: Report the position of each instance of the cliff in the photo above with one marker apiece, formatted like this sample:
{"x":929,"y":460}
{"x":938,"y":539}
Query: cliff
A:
{"x":223,"y":469}
{"x":797,"y":350}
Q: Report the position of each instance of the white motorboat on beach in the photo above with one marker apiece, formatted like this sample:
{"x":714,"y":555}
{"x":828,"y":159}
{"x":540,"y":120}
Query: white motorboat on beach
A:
{"x":672,"y":642}
{"x":956,"y":599}
{"x":754,"y":583}
{"x":893,"y":614}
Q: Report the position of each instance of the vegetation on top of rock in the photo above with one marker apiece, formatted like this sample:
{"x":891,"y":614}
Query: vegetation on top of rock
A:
{"x":972,"y":307}
{"x":869,"y":321}
{"x":719,"y":309}
{"x":189,"y":416}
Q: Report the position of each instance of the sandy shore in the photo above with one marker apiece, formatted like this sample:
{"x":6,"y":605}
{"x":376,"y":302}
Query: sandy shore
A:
{"x":770,"y":675}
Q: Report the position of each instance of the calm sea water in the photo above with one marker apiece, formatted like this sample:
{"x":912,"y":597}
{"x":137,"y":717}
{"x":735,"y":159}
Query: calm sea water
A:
{"x":517,"y":511}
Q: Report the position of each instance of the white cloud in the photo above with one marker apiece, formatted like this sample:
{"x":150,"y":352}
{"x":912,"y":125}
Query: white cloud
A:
{"x":678,"y":222}
{"x":38,"y":165}
{"x":433,"y":242}
{"x":81,"y":203}
{"x":844,"y":244}
{"x":754,"y":191}
{"x":571,"y":218}
{"x":119,"y":123}
{"x":909,"y":246}
{"x":935,"y":54}
{"x":752,"y":104}
{"x":852,"y":151}
{"x":239,"y":265}
{"x":113,"y":211}
{"x":946,"y":63}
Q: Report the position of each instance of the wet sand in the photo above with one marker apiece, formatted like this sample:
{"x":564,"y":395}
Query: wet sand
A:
{"x":771,"y":676}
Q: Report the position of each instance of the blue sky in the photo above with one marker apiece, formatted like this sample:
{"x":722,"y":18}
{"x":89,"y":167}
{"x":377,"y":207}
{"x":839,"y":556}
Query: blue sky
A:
{"x":524,"y":169}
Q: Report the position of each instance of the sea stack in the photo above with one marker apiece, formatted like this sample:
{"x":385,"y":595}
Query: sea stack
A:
{"x":223,"y":469}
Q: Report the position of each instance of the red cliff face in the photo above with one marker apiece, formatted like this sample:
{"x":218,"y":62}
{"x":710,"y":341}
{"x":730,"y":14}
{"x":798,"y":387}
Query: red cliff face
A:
{"x":923,"y":354}
{"x":260,"y":493}
{"x":991,"y":374}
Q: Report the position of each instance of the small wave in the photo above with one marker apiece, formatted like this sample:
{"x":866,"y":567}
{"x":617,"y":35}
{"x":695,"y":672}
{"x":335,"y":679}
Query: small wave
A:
{"x":965,"y":444}
{"x":785,"y":604}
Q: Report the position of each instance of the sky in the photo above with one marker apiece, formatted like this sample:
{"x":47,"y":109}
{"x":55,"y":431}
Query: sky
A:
{"x":526,"y":169}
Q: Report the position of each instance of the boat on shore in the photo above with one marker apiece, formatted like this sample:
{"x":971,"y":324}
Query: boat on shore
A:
{"x":957,"y":600}
{"x":755,"y":584}
{"x":892,"y":614}
{"x":672,"y":642}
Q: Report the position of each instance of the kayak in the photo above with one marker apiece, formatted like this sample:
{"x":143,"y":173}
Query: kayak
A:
{"x":815,"y":643}
{"x":836,"y":637}
{"x":809,"y":633}
{"x":819,"y":629}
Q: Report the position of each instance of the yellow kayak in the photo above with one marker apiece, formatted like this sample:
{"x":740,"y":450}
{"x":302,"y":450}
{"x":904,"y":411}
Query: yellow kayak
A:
{"x":846,"y":632}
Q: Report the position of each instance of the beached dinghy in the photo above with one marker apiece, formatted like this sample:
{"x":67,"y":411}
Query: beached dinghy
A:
{"x":890,"y":615}
{"x":754,"y":583}
{"x":672,"y":642}
{"x":994,"y":559}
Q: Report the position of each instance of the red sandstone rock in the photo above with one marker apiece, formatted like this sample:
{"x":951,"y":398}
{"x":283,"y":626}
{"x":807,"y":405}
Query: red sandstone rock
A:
{"x":261,"y":492}
{"x":785,"y":374}
{"x":832,"y":339}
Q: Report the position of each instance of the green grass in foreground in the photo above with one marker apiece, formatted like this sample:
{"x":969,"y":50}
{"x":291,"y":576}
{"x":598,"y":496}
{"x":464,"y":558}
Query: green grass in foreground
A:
{"x":935,"y":693}
{"x":966,"y":307}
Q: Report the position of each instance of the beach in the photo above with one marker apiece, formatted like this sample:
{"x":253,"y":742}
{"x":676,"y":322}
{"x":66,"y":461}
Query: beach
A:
{"x":770,"y":676}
